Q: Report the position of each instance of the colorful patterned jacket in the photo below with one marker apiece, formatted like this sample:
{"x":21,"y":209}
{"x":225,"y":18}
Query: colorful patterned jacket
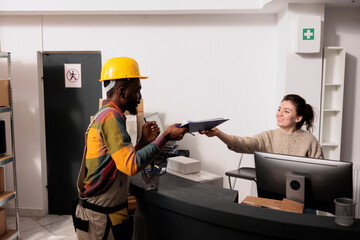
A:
{"x":109,"y":150}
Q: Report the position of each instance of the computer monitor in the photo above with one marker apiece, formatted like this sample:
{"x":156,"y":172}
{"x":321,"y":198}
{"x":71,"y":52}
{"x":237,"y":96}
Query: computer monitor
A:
{"x":315,"y":182}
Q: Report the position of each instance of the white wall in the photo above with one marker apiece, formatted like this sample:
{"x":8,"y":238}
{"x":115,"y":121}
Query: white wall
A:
{"x":22,"y":37}
{"x":198,"y":67}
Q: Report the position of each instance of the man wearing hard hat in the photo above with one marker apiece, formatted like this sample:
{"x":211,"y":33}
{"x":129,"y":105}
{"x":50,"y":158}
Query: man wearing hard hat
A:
{"x":110,"y":158}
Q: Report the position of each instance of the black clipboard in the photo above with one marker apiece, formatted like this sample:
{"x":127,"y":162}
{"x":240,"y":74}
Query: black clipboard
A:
{"x":196,"y":126}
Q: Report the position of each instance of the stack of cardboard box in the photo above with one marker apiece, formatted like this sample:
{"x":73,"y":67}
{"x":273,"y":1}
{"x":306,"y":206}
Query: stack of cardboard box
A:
{"x":2,"y":221}
{"x":4,"y":102}
{"x":4,"y":93}
{"x":2,"y":210}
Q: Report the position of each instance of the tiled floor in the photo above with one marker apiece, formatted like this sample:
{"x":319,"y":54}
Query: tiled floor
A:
{"x":50,"y":227}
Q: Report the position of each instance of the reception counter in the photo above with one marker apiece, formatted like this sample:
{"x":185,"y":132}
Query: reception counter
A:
{"x":183,"y":209}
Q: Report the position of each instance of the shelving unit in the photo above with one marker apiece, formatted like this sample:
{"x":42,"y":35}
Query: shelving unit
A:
{"x":332,"y":101}
{"x":5,"y":160}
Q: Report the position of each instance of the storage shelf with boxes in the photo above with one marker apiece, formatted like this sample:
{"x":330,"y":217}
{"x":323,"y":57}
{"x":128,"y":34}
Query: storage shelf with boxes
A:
{"x":8,"y":195}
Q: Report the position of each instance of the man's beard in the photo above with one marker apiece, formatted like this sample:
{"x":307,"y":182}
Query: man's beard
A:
{"x":133,"y":109}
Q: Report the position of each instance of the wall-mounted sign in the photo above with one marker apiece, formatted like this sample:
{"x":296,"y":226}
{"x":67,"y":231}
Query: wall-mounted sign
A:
{"x":72,"y":75}
{"x":308,"y":34}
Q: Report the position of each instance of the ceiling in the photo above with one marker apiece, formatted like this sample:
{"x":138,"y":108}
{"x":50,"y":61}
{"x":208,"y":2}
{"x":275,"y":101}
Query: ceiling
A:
{"x":157,"y":7}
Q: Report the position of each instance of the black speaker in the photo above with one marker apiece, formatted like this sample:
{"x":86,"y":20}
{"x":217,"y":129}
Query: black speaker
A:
{"x":2,"y":137}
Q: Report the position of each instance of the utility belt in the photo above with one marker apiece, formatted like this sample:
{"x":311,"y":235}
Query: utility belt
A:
{"x":84,"y":224}
{"x":101,"y":209}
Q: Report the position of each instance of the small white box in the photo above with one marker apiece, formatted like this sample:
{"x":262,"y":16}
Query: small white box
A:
{"x":184,"y":165}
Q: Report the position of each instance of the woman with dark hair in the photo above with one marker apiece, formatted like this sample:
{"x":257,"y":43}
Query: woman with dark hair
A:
{"x":293,"y":113}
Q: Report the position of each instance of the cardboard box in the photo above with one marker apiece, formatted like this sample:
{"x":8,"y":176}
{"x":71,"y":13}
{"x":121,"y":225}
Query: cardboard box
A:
{"x":4,"y":93}
{"x":140,"y":121}
{"x":283,"y":205}
{"x":2,"y":179}
{"x":291,"y":206}
{"x":101,"y":102}
{"x":184,"y":165}
{"x":2,"y":221}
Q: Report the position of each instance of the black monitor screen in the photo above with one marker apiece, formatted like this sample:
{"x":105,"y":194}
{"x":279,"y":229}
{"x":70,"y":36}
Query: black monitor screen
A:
{"x":324,"y":180}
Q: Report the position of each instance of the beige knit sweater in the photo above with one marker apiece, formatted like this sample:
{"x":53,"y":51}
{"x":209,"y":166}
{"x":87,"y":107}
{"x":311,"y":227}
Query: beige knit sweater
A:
{"x":299,"y":143}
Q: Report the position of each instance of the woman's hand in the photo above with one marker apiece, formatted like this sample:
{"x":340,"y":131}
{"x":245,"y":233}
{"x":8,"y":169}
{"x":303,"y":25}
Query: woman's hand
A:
{"x":224,"y":137}
{"x":210,"y":133}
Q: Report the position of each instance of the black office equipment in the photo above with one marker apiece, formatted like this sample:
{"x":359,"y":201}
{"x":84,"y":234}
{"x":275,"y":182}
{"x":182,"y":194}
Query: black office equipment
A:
{"x":2,"y":137}
{"x":196,"y":126}
{"x":247,"y":173}
{"x":324,"y":180}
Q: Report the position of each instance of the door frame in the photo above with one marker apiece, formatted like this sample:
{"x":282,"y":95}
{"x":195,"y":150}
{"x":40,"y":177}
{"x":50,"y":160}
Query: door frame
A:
{"x":40,"y":66}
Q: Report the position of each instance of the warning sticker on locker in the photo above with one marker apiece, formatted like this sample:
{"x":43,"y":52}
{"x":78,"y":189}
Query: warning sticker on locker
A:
{"x":72,"y":75}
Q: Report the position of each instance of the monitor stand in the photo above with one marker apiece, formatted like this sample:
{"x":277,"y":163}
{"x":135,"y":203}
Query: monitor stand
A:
{"x":295,"y":188}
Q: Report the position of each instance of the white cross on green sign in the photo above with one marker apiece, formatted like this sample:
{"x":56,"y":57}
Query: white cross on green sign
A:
{"x":308,"y":33}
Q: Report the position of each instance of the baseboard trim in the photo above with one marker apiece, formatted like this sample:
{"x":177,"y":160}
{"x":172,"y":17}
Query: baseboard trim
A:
{"x":26,"y":212}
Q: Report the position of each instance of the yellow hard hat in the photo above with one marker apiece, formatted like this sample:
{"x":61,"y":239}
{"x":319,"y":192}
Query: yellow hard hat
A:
{"x":120,"y":67}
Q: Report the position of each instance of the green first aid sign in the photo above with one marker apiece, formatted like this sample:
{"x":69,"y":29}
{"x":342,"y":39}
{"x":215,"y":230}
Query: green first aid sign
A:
{"x":308,"y":33}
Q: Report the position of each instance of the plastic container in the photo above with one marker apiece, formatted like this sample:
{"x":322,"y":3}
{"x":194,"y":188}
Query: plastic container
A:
{"x":151,"y":177}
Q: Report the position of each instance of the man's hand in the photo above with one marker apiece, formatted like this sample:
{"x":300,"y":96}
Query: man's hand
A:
{"x":150,"y":131}
{"x":175,"y":133}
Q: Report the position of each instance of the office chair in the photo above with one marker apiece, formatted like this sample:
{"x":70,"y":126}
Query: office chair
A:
{"x":247,"y":173}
